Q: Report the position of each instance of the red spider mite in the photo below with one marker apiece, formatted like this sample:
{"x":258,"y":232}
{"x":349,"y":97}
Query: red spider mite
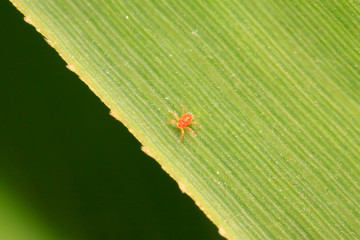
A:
{"x":183,"y":122}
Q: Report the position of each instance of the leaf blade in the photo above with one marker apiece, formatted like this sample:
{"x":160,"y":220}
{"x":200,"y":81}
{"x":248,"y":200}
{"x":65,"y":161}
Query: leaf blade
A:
{"x":275,"y":118}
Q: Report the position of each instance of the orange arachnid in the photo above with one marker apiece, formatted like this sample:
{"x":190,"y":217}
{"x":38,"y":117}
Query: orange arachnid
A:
{"x":183,"y":122}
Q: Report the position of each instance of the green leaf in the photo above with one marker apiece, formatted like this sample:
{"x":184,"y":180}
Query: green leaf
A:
{"x":18,"y":222}
{"x":273,"y":84}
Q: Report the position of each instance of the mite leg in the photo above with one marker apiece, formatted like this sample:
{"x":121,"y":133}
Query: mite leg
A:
{"x":172,"y":120}
{"x":182,"y":134}
{"x":177,"y":117}
{"x":183,"y":108}
{"x":191,"y":130}
{"x":195,"y":123}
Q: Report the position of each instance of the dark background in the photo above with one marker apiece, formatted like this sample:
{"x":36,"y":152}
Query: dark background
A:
{"x":69,"y":161}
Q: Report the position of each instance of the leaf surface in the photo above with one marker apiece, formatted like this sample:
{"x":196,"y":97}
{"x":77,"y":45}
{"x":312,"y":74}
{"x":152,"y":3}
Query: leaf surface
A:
{"x":273,"y":84}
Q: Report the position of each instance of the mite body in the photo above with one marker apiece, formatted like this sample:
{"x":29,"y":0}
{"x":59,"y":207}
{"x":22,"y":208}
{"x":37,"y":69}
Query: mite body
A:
{"x":183,"y":122}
